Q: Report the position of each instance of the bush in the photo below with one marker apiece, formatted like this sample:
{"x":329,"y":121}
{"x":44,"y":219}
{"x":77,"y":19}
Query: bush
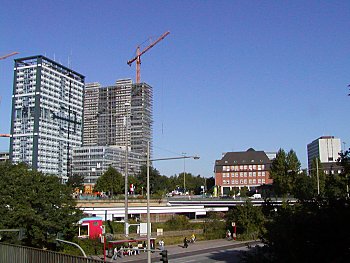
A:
{"x":214,"y":227}
{"x":178,"y":222}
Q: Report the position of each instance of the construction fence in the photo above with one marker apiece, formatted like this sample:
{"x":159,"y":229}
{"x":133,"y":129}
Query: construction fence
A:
{"x":20,"y":254}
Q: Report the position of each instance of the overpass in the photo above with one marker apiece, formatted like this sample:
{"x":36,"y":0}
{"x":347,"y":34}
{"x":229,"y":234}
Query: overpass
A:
{"x":110,"y":209}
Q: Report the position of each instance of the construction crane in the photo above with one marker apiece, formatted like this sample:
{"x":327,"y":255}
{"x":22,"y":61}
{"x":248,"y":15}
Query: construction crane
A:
{"x":139,"y":53}
{"x":9,"y":55}
{"x":1,"y":58}
{"x":6,"y":56}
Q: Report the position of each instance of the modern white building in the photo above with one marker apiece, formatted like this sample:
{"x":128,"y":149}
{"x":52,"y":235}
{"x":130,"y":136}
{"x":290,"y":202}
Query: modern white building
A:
{"x":326,"y":149}
{"x":4,"y":156}
{"x":92,"y":161}
{"x":47,"y":114}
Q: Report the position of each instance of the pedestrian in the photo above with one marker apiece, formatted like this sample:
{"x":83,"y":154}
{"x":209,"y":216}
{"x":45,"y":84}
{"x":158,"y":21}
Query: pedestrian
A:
{"x":228,"y":234}
{"x":193,"y":238}
{"x":115,"y":254}
{"x":185,"y":242}
{"x":161,"y":244}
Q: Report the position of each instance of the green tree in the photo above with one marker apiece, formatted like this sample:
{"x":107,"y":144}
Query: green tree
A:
{"x":338,"y":184}
{"x":156,"y":181}
{"x":111,"y":181}
{"x":304,"y":187}
{"x":38,"y":203}
{"x":249,"y":220}
{"x":312,"y":231}
{"x":214,"y":226}
{"x":210,"y":184}
{"x":284,"y":170}
{"x":75,"y":181}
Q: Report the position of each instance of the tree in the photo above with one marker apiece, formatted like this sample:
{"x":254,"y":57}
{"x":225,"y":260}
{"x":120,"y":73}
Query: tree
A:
{"x":111,"y":181}
{"x":304,"y":187}
{"x":249,"y":220}
{"x":302,"y":232}
{"x":38,"y":203}
{"x":156,"y":181}
{"x":75,"y":181}
{"x":284,"y":169}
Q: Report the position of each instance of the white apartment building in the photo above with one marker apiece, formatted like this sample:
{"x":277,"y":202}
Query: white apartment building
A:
{"x":326,"y":149}
{"x":47,"y":114}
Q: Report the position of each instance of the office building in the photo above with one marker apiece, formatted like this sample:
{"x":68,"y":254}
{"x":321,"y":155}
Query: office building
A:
{"x":242,"y":169}
{"x":47,"y":114}
{"x":326,"y":149}
{"x":118,"y":115}
{"x":92,"y":161}
{"x":4,"y":156}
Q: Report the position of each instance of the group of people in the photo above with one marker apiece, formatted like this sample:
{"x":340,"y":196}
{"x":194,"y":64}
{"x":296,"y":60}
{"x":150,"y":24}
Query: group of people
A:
{"x":191,"y":240}
{"x":128,"y":250}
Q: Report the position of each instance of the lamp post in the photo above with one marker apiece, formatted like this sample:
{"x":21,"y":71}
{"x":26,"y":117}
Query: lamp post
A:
{"x":148,"y":194}
{"x":184,"y":154}
{"x":126,"y":219}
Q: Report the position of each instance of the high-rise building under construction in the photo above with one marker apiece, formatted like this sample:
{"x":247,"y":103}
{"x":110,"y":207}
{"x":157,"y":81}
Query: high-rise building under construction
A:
{"x":118,"y":115}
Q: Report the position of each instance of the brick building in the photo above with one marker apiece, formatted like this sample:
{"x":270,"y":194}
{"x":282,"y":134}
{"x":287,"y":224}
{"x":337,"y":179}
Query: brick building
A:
{"x":242,"y":169}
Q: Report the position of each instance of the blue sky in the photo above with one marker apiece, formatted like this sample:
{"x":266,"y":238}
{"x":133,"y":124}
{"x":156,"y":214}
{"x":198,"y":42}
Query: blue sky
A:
{"x":231,"y":75}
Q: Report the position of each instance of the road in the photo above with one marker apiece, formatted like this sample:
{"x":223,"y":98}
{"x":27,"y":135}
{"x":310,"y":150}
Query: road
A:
{"x":202,"y":251}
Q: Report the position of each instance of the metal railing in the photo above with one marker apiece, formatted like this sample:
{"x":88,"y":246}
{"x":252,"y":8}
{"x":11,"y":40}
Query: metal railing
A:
{"x":20,"y":254}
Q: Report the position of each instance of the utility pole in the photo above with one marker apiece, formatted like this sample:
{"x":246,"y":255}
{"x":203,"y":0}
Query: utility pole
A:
{"x":318,"y":178}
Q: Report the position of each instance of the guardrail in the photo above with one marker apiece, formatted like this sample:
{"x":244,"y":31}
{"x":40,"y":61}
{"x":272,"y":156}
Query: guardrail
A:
{"x":21,"y":254}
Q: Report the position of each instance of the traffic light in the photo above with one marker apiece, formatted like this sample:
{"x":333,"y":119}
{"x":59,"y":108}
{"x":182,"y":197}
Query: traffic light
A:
{"x":164,"y":255}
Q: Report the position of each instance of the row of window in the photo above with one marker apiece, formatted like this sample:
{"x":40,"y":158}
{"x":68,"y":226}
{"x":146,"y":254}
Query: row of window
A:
{"x":244,"y":181}
{"x":244,"y":174}
{"x":253,"y":167}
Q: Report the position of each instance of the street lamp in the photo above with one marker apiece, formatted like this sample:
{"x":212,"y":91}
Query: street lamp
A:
{"x":148,"y":194}
{"x":126,"y":219}
{"x":184,"y":154}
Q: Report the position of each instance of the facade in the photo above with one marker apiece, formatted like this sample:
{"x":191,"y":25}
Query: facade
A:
{"x":326,"y":149}
{"x":242,"y":169}
{"x":4,"y":156}
{"x":118,"y":115}
{"x":47,"y":114}
{"x":92,"y":161}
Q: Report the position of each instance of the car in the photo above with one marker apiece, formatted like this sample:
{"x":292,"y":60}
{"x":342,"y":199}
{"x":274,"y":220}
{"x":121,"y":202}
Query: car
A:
{"x":256,"y":196}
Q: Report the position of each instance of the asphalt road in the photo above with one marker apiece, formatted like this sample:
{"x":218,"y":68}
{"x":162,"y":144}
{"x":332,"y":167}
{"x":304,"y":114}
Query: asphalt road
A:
{"x":203,"y":251}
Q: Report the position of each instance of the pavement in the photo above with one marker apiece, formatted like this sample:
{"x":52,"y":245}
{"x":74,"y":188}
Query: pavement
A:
{"x":179,"y":251}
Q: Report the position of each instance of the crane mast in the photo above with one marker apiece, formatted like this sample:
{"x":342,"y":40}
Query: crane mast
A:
{"x":139,"y":53}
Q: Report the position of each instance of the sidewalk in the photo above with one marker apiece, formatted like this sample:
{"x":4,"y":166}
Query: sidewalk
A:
{"x":179,"y":249}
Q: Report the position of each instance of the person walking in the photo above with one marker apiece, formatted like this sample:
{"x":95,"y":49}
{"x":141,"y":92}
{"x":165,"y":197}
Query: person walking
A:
{"x":185,"y":242}
{"x":115,"y":254}
{"x":193,"y":238}
{"x":161,"y":244}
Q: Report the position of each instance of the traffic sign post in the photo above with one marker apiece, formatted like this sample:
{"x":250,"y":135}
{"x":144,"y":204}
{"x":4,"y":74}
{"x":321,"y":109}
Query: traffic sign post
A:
{"x":234,"y":235}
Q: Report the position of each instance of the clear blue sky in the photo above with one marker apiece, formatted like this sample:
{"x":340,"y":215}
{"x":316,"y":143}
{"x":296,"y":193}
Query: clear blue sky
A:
{"x":230,"y":76}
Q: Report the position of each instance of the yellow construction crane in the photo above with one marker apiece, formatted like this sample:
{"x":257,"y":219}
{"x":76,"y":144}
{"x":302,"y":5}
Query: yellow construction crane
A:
{"x":139,"y":53}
